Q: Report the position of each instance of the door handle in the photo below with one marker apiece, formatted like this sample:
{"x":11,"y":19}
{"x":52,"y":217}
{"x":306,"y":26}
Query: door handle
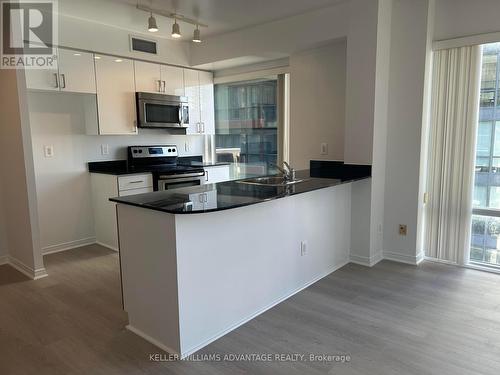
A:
{"x":164,"y":86}
{"x":159,"y":85}
{"x":57,"y":80}
{"x":203,"y":127}
{"x":206,"y":175}
{"x":198,"y":127}
{"x":63,"y":81}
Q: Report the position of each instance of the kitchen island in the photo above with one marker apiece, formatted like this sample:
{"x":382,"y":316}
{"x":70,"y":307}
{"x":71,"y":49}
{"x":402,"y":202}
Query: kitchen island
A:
{"x":198,"y":262}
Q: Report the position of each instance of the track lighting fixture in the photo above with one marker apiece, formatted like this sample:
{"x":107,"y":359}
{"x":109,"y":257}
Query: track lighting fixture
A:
{"x":197,"y":35}
{"x":152,"y":26}
{"x":176,"y":29}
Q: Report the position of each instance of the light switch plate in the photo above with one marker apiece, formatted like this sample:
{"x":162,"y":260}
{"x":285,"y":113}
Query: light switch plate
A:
{"x":48,"y":151}
{"x":104,"y":149}
{"x":324,"y":149}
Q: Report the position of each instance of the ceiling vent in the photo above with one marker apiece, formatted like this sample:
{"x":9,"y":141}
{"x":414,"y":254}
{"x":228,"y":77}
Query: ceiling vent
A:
{"x":139,"y":44}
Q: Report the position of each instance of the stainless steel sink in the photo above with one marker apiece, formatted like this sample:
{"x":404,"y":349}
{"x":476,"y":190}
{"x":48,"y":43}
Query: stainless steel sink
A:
{"x":270,"y":181}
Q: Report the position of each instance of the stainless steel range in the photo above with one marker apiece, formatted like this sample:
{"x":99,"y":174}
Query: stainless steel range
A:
{"x":161,"y":161}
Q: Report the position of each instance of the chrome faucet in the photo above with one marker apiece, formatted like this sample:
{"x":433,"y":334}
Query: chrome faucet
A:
{"x":288,"y":172}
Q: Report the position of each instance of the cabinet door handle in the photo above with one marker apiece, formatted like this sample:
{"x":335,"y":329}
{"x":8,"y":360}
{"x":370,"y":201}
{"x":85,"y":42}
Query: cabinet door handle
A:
{"x":136,"y":182}
{"x":205,"y":197}
{"x":164,"y":86}
{"x":206,"y":175}
{"x":57,"y":80}
{"x":63,"y":81}
{"x":159,"y":85}
{"x":203,"y":127}
{"x":197,"y":127}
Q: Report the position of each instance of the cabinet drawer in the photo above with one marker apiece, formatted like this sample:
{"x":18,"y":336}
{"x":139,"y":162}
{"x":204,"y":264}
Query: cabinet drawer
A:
{"x":135,"y":181}
{"x":125,"y":193}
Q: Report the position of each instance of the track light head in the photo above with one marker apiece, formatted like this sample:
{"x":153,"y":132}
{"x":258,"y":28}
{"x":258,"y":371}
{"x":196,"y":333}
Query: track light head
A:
{"x":176,"y":30}
{"x":152,"y":26}
{"x":197,"y":35}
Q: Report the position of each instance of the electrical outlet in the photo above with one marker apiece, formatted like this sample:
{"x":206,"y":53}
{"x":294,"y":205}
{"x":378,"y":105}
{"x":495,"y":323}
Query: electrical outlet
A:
{"x":403,"y":230}
{"x":303,"y":248}
{"x":48,"y":151}
{"x":104,"y":149}
{"x":324,"y":149}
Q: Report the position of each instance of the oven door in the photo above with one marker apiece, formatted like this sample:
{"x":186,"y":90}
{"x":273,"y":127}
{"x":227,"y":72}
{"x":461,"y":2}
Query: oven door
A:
{"x":180,"y":181}
{"x":160,"y":114}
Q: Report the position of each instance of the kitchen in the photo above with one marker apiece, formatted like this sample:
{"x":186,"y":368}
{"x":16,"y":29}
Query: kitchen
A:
{"x":250,"y":187}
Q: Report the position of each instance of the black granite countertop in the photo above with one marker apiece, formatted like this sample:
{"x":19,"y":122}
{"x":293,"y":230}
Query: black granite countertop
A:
{"x":228,"y":195}
{"x":121,"y":167}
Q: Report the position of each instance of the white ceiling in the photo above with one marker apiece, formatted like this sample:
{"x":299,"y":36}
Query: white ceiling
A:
{"x":222,"y":16}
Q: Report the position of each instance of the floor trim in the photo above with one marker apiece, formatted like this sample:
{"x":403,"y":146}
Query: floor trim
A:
{"x":4,"y":260}
{"x":107,"y":246}
{"x":475,"y":267}
{"x":68,"y":245}
{"x":218,"y":335}
{"x":404,"y":258}
{"x":260,"y":311}
{"x":26,"y":270}
{"x":153,"y":341}
{"x":366,"y":261}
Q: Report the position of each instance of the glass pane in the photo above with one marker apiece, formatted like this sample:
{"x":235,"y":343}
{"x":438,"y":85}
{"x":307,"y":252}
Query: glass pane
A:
{"x":487,"y":98}
{"x":246,"y":124}
{"x":483,"y":139}
{"x":485,"y":240}
{"x":480,"y":196}
{"x":489,"y":70}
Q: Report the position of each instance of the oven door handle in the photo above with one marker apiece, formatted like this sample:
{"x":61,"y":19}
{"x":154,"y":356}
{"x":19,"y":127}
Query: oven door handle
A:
{"x":181,"y":177}
{"x":181,"y":114}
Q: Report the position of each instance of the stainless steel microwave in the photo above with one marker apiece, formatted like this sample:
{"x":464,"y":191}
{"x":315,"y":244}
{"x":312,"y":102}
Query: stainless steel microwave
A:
{"x":161,"y":110}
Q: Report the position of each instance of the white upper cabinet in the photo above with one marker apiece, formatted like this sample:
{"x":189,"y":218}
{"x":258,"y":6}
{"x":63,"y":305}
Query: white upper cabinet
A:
{"x":173,"y":80}
{"x":192,"y":86}
{"x":76,"y":71}
{"x":200,"y":92}
{"x":156,"y":78}
{"x":116,"y":95}
{"x":42,"y":79}
{"x":147,"y":77}
{"x":207,"y":102}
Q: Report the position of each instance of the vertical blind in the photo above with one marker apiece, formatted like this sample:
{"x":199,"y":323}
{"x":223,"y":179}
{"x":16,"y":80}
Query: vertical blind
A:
{"x":454,"y":118}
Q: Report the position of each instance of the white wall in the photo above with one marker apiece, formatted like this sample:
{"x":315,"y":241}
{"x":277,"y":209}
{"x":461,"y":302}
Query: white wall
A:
{"x":63,"y":181}
{"x":458,"y":18}
{"x":275,"y":39}
{"x":17,"y":176}
{"x":78,"y":33}
{"x":3,"y":231}
{"x":317,"y":104}
{"x":406,"y":101}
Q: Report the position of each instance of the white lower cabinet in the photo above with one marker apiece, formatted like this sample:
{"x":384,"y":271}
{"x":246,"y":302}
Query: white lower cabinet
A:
{"x":106,"y":186}
{"x":216,"y":173}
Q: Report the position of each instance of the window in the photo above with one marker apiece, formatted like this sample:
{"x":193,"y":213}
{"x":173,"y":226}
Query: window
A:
{"x":485,"y":241}
{"x":246,"y":124}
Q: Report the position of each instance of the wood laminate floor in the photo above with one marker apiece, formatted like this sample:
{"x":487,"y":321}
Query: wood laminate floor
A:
{"x":390,"y":319}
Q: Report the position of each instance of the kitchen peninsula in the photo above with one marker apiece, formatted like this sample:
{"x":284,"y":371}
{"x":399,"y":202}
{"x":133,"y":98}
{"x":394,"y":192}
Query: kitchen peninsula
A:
{"x":198,"y":262}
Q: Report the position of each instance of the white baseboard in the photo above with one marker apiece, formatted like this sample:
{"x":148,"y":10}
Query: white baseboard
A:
{"x":107,"y":246}
{"x":404,"y":258}
{"x":218,"y":335}
{"x":4,"y":260}
{"x":153,"y":341}
{"x":28,"y":271}
{"x":68,"y":245}
{"x":366,"y":261}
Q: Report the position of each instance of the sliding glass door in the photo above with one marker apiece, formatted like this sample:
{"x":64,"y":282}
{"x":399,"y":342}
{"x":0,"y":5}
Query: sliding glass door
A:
{"x":485,"y":241}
